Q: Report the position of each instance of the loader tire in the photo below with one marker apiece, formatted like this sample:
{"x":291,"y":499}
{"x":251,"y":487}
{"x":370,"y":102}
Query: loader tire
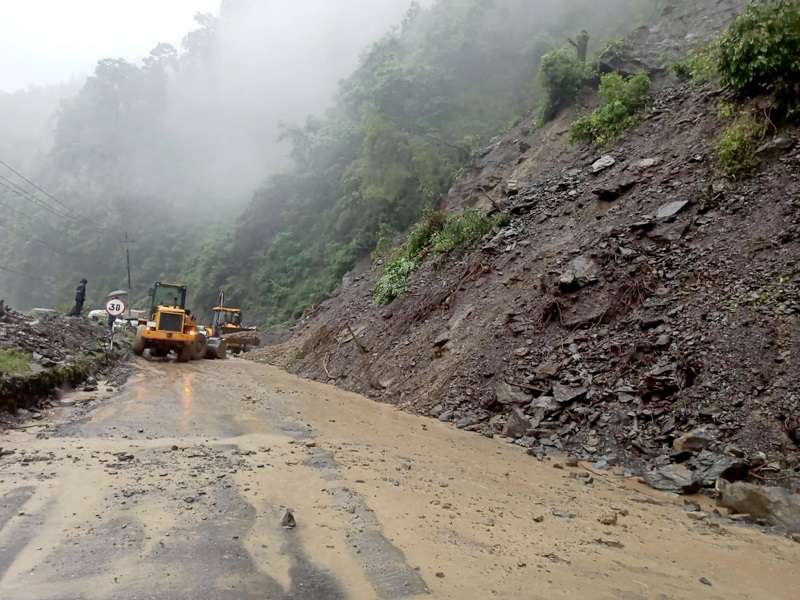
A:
{"x":186,"y":353}
{"x":222,"y":350}
{"x":139,"y":341}
{"x":200,"y":346}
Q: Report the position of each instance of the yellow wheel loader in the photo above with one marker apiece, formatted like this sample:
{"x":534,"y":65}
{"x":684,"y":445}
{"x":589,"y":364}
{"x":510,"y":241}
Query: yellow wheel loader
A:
{"x":226,"y":325}
{"x":170,"y":326}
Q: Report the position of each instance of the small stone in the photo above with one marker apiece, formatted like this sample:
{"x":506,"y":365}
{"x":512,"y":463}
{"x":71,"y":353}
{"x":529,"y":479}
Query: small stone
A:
{"x":571,"y":461}
{"x":663,"y":341}
{"x":697,"y":516}
{"x":609,"y":519}
{"x":440,"y":575}
{"x":646,"y":163}
{"x":705,"y":581}
{"x":288,"y":521}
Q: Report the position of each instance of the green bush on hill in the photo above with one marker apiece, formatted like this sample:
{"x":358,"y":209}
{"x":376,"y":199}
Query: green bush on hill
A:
{"x":700,"y":66}
{"x":436,"y":234}
{"x":561,"y":76}
{"x":737,"y":145}
{"x":760,"y":52}
{"x":622,"y":101}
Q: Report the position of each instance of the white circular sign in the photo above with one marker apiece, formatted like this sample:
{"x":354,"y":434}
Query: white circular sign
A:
{"x":116,"y":307}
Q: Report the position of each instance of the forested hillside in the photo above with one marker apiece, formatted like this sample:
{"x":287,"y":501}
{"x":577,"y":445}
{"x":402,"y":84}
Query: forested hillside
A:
{"x":424,"y":99}
{"x":168,"y":150}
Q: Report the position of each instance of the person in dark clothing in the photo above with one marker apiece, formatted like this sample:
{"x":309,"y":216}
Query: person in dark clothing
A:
{"x":80,"y":298}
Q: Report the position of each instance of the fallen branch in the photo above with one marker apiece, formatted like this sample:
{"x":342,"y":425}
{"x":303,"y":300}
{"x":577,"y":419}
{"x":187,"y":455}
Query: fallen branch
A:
{"x":524,"y":386}
{"x":355,"y":339}
{"x":325,"y":366}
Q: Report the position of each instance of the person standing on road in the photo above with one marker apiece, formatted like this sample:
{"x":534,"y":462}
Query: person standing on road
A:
{"x":80,"y":298}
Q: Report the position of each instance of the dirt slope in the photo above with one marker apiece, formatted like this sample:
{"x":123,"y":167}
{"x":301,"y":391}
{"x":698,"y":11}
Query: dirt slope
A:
{"x":616,"y":311}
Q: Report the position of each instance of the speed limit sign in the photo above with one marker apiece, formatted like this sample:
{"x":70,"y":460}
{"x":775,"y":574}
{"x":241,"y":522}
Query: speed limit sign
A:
{"x":116,"y":307}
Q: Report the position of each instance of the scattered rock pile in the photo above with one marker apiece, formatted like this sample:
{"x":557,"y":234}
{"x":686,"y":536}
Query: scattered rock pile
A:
{"x":605,"y":324}
{"x":61,"y":351}
{"x":50,"y":339}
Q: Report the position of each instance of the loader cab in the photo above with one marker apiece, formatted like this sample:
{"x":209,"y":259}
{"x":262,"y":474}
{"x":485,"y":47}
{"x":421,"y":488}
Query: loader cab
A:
{"x":226,"y":320}
{"x":168,"y":295}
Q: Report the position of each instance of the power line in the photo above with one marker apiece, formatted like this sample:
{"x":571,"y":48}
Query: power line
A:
{"x":33,"y":238}
{"x":42,"y":190}
{"x":26,"y":275}
{"x":71,"y":213}
{"x":30,"y":218}
{"x":16,"y":189}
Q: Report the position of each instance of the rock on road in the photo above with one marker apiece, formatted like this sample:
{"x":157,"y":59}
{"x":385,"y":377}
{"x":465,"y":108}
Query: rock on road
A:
{"x":177,"y":487}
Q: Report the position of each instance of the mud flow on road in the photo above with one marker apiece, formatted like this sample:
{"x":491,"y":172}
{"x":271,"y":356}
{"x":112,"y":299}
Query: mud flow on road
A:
{"x":177,"y":486}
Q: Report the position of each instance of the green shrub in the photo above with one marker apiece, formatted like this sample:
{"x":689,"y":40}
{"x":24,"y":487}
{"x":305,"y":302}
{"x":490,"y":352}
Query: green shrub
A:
{"x":737,"y":145}
{"x":701,"y":66}
{"x":760,"y":52}
{"x":439,"y":234}
{"x":394,"y":279}
{"x":12,"y":361}
{"x":562,"y":76}
{"x":622,"y":101}
{"x":462,"y":232}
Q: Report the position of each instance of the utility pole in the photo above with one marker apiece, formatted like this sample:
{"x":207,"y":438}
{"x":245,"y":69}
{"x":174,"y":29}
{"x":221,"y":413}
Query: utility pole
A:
{"x":128,"y":263}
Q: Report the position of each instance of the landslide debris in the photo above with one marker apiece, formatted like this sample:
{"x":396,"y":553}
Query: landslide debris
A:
{"x":639,"y":309}
{"x":53,"y":351}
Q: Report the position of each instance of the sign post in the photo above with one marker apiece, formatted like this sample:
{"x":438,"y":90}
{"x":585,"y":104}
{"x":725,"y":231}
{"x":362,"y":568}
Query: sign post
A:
{"x":115,"y":308}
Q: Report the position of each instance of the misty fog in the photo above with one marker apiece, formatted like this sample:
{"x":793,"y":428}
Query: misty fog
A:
{"x":274,"y":63}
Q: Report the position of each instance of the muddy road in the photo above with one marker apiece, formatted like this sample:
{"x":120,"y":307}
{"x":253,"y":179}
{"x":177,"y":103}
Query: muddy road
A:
{"x":175,"y":487}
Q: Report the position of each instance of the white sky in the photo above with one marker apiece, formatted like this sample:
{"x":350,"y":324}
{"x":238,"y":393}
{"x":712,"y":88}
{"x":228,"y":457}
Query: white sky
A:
{"x":48,"y":41}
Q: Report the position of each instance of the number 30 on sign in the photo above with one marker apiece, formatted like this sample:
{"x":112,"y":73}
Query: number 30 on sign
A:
{"x":115,"y":307}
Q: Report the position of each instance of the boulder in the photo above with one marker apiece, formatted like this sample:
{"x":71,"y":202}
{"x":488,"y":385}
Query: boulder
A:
{"x":612,"y":191}
{"x":671,"y":209}
{"x":581,"y":272}
{"x":546,"y":404}
{"x":547,"y":370}
{"x":603,"y":163}
{"x":776,"y":145}
{"x":507,"y":394}
{"x":696,"y":440}
{"x":777,"y":506}
{"x":710,"y":467}
{"x":517,"y":424}
{"x":672,"y":478}
{"x":564,"y":394}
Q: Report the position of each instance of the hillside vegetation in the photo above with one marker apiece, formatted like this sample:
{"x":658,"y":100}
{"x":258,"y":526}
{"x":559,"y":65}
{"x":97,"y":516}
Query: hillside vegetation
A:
{"x":422,"y":102}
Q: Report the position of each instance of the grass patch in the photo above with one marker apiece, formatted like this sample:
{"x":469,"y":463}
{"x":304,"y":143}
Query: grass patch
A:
{"x":437,"y":234}
{"x":13,"y":361}
{"x":623,"y":99}
{"x":737,"y":145}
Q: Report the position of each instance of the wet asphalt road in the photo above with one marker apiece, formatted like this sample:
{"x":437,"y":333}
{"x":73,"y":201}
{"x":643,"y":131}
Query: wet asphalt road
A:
{"x":168,"y":490}
{"x":174,"y":487}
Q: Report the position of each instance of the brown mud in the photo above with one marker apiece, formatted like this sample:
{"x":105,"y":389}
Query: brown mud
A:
{"x":176,"y":486}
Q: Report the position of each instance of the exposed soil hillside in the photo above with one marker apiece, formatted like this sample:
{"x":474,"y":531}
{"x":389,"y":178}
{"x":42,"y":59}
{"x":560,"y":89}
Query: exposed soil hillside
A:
{"x":627,"y":302}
